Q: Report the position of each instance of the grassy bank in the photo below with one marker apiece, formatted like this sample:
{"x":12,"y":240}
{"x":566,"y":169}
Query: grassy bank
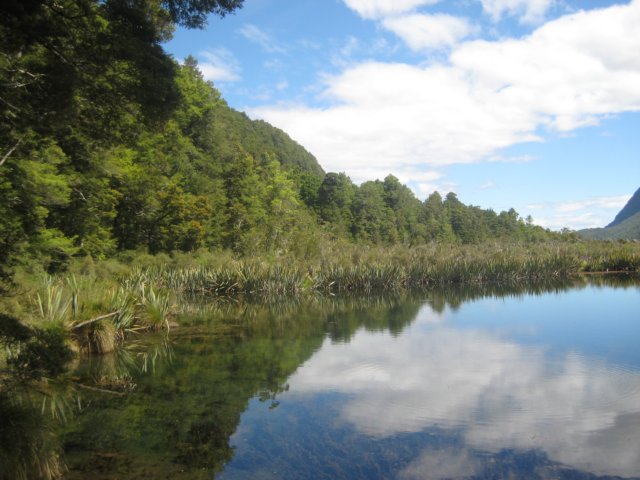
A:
{"x":95,"y":307}
{"x":379,"y":269}
{"x":142,"y":291}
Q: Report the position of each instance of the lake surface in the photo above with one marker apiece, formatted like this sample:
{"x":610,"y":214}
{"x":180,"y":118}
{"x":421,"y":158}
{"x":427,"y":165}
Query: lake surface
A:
{"x":464,"y":384}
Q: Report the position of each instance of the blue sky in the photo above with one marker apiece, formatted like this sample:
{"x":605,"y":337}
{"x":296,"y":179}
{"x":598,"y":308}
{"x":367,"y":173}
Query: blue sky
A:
{"x":530,"y":104}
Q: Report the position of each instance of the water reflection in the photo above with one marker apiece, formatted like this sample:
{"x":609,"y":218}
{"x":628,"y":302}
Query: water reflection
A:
{"x":405,"y":386}
{"x":494,"y":392}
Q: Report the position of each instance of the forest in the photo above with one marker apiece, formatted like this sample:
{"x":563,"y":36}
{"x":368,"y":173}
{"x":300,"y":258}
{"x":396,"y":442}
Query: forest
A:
{"x":108,"y":144}
{"x":128,"y":186}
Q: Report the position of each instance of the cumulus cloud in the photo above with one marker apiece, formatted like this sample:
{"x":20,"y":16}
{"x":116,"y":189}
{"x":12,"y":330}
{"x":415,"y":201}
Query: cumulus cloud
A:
{"x":616,"y":203}
{"x":498,"y":394}
{"x":424,"y":32}
{"x":219,"y":65}
{"x":488,"y":95}
{"x":578,"y":214}
{"x":529,"y":11}
{"x":372,"y":9}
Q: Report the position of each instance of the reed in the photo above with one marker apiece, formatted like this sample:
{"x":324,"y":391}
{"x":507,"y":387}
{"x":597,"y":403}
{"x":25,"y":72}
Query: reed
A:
{"x":378,"y":269}
{"x":99,"y":312}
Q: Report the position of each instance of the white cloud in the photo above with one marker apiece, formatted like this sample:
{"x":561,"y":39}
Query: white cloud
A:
{"x":494,"y":393}
{"x":261,"y":38}
{"x":615,"y":203}
{"x":342,"y":57}
{"x":578,"y":214}
{"x":488,"y":185}
{"x":530,"y":11}
{"x":372,"y":9}
{"x":423,"y":32}
{"x":438,"y":463}
{"x":557,"y":221}
{"x":219,"y":65}
{"x":399,"y":118}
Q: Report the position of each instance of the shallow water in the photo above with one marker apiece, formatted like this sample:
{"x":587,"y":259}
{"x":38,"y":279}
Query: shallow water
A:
{"x":544,"y":384}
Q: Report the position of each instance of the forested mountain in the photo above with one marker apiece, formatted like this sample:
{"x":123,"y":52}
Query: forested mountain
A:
{"x":108,"y":144}
{"x":629,"y":210}
{"x":628,"y":229}
{"x":626,"y":225}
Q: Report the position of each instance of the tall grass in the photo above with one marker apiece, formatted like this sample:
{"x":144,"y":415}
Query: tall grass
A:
{"x":97,"y":315}
{"x":52,"y":304}
{"x":380,"y":269}
{"x":100,"y":304}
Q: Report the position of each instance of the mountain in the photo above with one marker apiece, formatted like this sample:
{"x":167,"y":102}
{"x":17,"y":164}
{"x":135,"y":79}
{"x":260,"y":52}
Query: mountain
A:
{"x":628,"y":229}
{"x":630,"y":209}
{"x":626,"y":225}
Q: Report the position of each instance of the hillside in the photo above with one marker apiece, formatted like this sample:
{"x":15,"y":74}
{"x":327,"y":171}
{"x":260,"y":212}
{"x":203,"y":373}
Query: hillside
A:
{"x":629,"y":210}
{"x":108,"y":144}
{"x":628,"y":229}
{"x":625,"y":226}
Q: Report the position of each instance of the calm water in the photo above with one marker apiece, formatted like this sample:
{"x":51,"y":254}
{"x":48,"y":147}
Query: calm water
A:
{"x":434,"y":385}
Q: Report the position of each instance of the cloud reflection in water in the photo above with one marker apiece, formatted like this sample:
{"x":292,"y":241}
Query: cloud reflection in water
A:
{"x":580,"y":411}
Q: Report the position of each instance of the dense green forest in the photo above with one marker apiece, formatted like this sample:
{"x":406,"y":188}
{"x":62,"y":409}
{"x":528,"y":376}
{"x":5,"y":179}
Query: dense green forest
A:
{"x":112,"y":150}
{"x":108,"y":144}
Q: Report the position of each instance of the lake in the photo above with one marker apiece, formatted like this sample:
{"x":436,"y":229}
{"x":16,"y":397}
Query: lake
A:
{"x":492,"y":383}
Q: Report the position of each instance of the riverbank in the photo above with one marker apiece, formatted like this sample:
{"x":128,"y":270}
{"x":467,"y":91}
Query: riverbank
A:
{"x":99,"y":303}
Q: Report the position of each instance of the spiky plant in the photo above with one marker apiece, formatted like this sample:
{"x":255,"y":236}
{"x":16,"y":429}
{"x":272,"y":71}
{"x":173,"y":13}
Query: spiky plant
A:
{"x":157,"y":308}
{"x":52,"y":306}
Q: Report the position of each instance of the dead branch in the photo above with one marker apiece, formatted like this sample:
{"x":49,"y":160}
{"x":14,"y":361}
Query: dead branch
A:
{"x":11,"y":150}
{"x":96,"y":319}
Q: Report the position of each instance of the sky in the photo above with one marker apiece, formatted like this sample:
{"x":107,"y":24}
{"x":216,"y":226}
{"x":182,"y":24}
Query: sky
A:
{"x":525,"y":104}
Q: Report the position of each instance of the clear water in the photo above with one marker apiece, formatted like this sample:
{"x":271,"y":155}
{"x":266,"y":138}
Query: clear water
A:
{"x":544,"y":384}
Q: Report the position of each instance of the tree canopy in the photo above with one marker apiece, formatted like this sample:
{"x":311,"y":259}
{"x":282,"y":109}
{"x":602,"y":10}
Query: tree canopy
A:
{"x":108,"y":144}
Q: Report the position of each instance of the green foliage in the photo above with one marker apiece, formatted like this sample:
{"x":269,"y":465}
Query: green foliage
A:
{"x":373,"y":220}
{"x":627,"y":229}
{"x":335,"y":198}
{"x":53,"y":309}
{"x":34,"y":352}
{"x":193,"y":13}
{"x":29,"y":447}
{"x":108,"y":145}
{"x":45,"y":354}
{"x":389,"y":268}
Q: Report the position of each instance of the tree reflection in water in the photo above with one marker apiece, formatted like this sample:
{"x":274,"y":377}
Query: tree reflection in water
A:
{"x":184,"y":415}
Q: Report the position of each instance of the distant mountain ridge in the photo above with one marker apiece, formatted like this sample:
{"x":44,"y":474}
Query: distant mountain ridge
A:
{"x":629,"y":210}
{"x":626,"y":224}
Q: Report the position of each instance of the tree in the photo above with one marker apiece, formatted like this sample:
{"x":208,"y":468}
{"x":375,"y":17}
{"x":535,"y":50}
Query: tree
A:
{"x":245,"y":212}
{"x":88,"y":77}
{"x":373,"y":220}
{"x":335,"y":196}
{"x":193,"y":13}
{"x":406,"y":209}
{"x":465,"y":220}
{"x":436,"y":220}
